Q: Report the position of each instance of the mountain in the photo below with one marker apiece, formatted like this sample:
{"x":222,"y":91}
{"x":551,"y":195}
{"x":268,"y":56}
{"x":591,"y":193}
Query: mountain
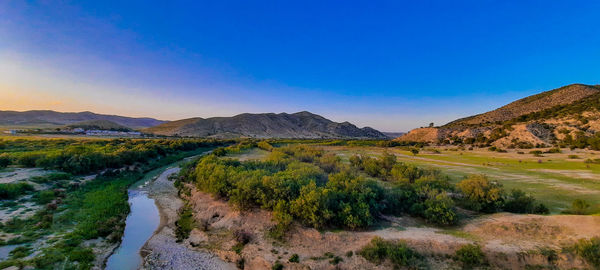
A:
{"x":98,"y":125}
{"x":59,"y":119}
{"x":393,"y":134}
{"x":265,"y":125}
{"x":553,"y":117}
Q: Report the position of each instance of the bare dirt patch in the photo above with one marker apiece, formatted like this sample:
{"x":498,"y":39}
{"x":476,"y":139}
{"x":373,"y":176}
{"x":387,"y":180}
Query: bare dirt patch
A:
{"x":509,"y":241}
{"x":162,"y":251}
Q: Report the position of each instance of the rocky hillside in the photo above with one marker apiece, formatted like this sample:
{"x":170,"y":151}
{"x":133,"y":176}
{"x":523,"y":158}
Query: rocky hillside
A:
{"x":546,"y":100}
{"x":567,"y":116}
{"x":59,"y":119}
{"x":266,"y":125}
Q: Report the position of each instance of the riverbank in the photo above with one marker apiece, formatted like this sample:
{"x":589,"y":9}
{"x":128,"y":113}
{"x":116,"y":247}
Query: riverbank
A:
{"x":162,"y":251}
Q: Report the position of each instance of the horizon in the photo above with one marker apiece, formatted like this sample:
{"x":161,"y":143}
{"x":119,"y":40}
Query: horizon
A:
{"x":392,"y":67}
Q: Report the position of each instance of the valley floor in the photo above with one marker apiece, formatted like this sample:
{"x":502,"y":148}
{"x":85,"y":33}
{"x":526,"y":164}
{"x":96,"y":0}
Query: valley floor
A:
{"x":162,"y":251}
{"x":509,"y":241}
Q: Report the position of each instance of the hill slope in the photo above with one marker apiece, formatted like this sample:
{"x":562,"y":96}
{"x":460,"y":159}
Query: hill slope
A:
{"x":266,"y":125}
{"x":546,"y":100}
{"x":52,"y":118}
{"x":553,"y":117}
{"x":99,"y":125}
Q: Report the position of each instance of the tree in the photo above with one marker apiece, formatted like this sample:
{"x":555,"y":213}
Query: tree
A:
{"x":579,"y":207}
{"x":431,"y":124}
{"x":439,"y":209}
{"x":481,"y":194}
{"x":414,"y":151}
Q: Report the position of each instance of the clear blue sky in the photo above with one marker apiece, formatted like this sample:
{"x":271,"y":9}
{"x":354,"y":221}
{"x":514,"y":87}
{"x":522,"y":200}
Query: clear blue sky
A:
{"x":392,"y":65}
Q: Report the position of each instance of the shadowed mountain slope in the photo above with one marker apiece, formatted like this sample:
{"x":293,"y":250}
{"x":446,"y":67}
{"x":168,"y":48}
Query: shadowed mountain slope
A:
{"x":51,"y":118}
{"x":265,"y":125}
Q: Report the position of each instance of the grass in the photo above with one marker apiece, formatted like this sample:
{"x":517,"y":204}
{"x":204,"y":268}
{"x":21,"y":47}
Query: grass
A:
{"x":460,"y":234}
{"x":398,"y":253}
{"x":553,"y":182}
{"x":96,"y":209}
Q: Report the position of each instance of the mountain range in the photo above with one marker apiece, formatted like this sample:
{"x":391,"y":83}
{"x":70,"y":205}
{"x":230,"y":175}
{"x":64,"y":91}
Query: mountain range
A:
{"x":47,"y":118}
{"x":547,"y":118}
{"x":265,"y":125}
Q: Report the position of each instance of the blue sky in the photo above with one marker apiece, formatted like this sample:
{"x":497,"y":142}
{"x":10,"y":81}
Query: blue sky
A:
{"x":392,"y":65}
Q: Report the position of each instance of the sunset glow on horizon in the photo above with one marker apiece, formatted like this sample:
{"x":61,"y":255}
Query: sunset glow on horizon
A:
{"x":357,"y":63}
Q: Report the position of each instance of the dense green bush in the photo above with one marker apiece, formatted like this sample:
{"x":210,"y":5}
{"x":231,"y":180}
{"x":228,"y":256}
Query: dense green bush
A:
{"x":387,"y":168}
{"x":439,"y":209}
{"x":481,"y":194}
{"x":44,"y":196}
{"x":579,"y":207}
{"x":520,"y":202}
{"x":4,"y":160}
{"x":398,"y":253}
{"x":184,"y":224}
{"x":51,"y":177}
{"x":470,"y":256}
{"x":14,"y":190}
{"x":292,"y":184}
{"x":589,"y":250}
{"x":85,"y":156}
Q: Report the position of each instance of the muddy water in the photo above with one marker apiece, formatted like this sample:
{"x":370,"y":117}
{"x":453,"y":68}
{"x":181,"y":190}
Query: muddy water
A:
{"x":141,"y":223}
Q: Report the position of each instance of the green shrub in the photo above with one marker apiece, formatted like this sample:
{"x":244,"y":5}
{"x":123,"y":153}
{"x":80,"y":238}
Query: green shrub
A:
{"x":44,"y":196}
{"x":51,"y":177}
{"x":20,"y":252}
{"x":519,"y":202}
{"x":398,"y":253}
{"x":589,"y":250}
{"x":470,"y":256}
{"x":480,"y":194}
{"x":336,"y":260}
{"x":277,"y":266}
{"x":13,"y":190}
{"x":294,"y":258}
{"x":592,"y":161}
{"x":439,"y":209}
{"x":5,"y":160}
{"x":541,"y":209}
{"x":536,"y":153}
{"x":184,"y":224}
{"x":579,"y":207}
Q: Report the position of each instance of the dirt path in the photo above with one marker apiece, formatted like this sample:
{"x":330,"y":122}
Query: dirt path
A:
{"x":162,"y":251}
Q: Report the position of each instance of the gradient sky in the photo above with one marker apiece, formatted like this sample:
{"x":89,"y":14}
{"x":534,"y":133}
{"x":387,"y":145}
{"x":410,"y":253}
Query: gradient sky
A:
{"x":392,"y":65}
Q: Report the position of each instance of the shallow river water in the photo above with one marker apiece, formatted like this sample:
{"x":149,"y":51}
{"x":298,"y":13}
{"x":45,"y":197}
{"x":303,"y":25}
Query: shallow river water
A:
{"x":141,"y":223}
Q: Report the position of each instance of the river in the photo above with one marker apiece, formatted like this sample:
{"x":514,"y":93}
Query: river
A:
{"x":141,"y":223}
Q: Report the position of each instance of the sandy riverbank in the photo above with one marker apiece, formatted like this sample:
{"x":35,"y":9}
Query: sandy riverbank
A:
{"x":162,"y":251}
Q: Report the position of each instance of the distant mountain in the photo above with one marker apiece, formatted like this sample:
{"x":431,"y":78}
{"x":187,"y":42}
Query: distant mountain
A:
{"x":98,"y":125}
{"x":393,"y":134}
{"x":58,"y":119}
{"x":265,"y":125}
{"x":553,"y":117}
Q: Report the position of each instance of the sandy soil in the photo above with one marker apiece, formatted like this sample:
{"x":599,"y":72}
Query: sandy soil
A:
{"x":161,"y":251}
{"x":18,"y":174}
{"x":510,"y":241}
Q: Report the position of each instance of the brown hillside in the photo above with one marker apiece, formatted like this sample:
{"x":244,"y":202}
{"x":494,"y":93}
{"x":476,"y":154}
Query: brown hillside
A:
{"x":421,"y":135}
{"x":561,"y":96}
{"x":549,"y":118}
{"x":266,"y":125}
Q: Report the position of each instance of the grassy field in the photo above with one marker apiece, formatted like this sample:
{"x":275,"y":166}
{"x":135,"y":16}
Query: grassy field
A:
{"x":555,"y":179}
